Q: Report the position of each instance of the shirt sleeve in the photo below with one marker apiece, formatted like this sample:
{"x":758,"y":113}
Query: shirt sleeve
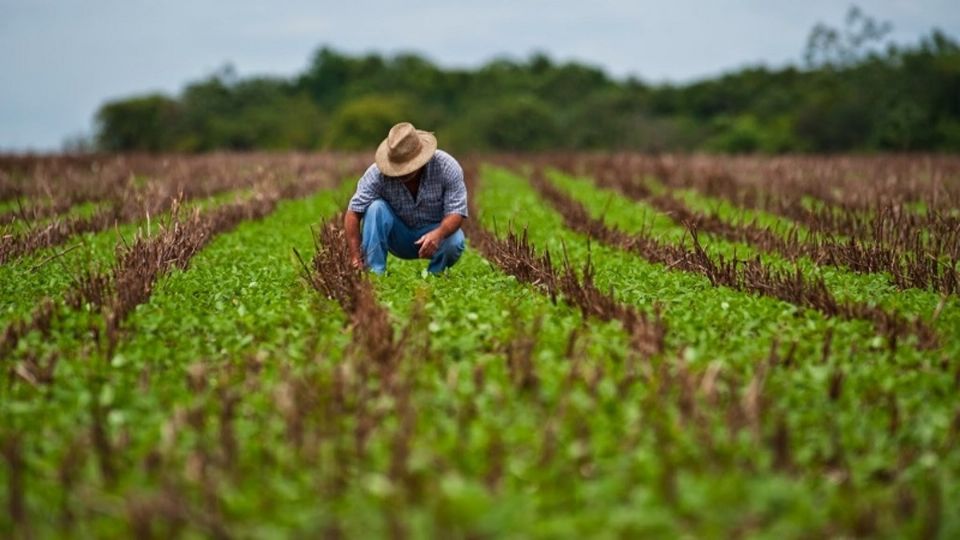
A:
{"x":454,"y":190}
{"x":367,"y":191}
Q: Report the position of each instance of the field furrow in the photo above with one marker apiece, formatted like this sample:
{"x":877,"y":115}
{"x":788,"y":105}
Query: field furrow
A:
{"x":140,"y":199}
{"x":589,"y":364}
{"x":637,"y":279}
{"x":872,"y":291}
{"x":898,"y":207}
{"x":909,"y":266}
{"x":741,"y":270}
{"x":249,"y":331}
{"x":111,"y":294}
{"x":826,"y":368}
{"x":25,"y":307}
{"x":114,"y":266}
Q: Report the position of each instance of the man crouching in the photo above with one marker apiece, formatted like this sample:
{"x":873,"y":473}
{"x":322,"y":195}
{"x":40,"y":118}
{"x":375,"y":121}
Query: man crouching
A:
{"x":412,"y":201}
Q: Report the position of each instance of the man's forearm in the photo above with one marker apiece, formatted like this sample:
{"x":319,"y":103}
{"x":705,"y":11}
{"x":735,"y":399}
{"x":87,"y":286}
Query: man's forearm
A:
{"x":450,"y":224}
{"x":351,"y":229}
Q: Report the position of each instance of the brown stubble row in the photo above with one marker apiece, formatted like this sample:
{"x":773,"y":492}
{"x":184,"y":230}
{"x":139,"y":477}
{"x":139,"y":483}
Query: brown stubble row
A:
{"x":850,"y":182}
{"x":865,"y":198}
{"x":61,"y":181}
{"x":913,"y":260}
{"x":514,"y":255}
{"x":703,"y":400}
{"x":750,"y":275}
{"x":125,"y":199}
{"x":130,"y":282}
{"x":140,"y":262}
{"x":379,"y":364}
{"x":917,"y":249}
{"x":335,"y":278}
{"x":909,"y":267}
{"x":378,"y":355}
{"x":44,"y":186}
{"x":113,"y":294}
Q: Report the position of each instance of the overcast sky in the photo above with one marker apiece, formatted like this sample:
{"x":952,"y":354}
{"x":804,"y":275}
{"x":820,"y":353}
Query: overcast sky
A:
{"x":61,"y":59}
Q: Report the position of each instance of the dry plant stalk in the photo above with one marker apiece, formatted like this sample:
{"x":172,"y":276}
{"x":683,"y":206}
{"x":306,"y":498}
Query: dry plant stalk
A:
{"x":752,"y":275}
{"x":515,"y":256}
{"x":863,"y":228}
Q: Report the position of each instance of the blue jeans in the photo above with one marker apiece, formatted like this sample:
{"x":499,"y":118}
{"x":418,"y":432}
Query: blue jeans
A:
{"x":383,"y":231}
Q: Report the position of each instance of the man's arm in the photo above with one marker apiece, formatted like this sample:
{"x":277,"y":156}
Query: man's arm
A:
{"x":351,"y":229}
{"x":430,"y":242}
{"x":367,"y":192}
{"x":454,"y":209}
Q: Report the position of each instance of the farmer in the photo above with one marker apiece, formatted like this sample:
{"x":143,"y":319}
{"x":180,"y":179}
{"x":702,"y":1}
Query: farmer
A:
{"x":412,"y":201}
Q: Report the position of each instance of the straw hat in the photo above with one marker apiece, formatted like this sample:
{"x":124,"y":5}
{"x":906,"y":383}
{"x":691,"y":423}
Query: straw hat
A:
{"x":405,"y":150}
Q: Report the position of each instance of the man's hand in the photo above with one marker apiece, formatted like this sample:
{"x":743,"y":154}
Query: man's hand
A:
{"x":351,"y":228}
{"x":430,"y":243}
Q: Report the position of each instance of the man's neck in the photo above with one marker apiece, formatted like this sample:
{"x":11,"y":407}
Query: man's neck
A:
{"x":413,"y":185}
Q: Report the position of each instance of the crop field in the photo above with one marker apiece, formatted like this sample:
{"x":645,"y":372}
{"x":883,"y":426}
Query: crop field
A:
{"x":631,"y":346}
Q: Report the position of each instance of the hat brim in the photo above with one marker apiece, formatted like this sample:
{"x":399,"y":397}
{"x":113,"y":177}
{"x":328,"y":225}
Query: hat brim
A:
{"x":390,"y":168}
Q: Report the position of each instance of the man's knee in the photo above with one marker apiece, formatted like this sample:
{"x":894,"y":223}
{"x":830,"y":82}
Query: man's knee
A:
{"x":377,"y":208}
{"x":379,"y":217}
{"x":454,"y":245}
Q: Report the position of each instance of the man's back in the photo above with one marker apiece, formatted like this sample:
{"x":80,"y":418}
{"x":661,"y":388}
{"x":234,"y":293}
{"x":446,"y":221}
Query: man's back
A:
{"x":441,"y":192}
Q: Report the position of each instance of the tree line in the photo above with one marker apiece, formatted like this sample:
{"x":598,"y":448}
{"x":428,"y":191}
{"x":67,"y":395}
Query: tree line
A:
{"x":853,"y":93}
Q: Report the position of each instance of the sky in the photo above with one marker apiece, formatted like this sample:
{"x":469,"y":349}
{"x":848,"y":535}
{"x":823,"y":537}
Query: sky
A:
{"x":61,"y":59}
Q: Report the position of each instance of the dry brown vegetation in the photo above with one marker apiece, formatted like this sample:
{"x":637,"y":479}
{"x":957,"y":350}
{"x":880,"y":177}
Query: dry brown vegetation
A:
{"x":752,"y":275}
{"x":380,"y":364}
{"x":516,"y":257}
{"x":135,"y":188}
{"x":548,"y":414}
{"x":144,"y":259}
{"x":334,"y":277}
{"x":887,"y":214}
{"x":744,"y":406}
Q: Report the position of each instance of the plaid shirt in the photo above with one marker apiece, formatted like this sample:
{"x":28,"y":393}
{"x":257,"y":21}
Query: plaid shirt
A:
{"x":442,"y":192}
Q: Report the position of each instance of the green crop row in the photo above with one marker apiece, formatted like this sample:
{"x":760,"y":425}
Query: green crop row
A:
{"x":237,"y":309}
{"x":837,"y":409}
{"x":51,"y":271}
{"x":876,"y":289}
{"x":240,"y":403}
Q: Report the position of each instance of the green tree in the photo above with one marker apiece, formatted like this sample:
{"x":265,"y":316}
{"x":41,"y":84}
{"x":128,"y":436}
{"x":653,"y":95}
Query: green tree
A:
{"x":361,"y":124}
{"x":514,"y":123}
{"x":142,"y":123}
{"x":852,"y":95}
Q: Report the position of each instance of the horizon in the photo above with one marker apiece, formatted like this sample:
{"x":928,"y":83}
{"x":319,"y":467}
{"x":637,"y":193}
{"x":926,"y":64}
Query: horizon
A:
{"x":41,"y":108}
